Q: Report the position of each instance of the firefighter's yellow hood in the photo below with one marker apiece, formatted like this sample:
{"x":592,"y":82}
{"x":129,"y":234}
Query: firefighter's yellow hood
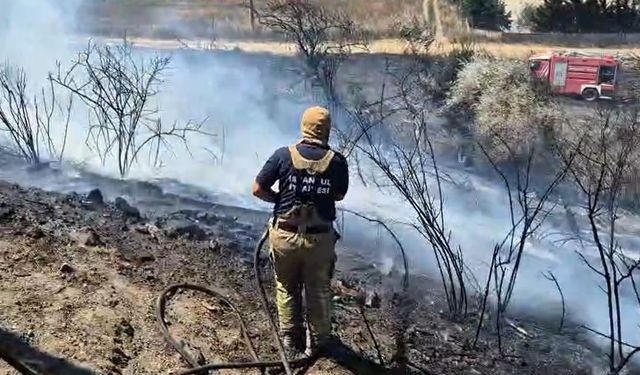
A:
{"x":316,"y":125}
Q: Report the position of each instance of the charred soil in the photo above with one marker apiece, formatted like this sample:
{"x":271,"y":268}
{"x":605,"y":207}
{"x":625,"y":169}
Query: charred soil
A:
{"x":79,"y":278}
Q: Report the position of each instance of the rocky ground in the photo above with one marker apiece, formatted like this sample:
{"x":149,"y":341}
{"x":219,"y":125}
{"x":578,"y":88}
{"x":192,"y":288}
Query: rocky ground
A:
{"x":79,"y":278}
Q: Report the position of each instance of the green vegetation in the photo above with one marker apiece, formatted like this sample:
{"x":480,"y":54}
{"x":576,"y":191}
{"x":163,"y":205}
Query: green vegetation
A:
{"x":577,"y":16}
{"x":510,"y":111}
{"x":486,"y":14}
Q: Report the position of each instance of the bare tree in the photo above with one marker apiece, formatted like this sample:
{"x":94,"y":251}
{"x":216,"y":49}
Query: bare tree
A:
{"x":551,"y":277}
{"x":252,"y":14}
{"x":395,"y":137}
{"x":418,"y":36}
{"x":415,"y":81}
{"x":408,"y":165}
{"x":512,"y":122}
{"x":118,"y":89}
{"x":316,"y":31}
{"x":31,"y":120}
{"x":606,"y":164}
{"x":405,"y":261}
{"x":391,"y":133}
{"x":323,"y":37}
{"x":531,"y":201}
{"x":208,"y":44}
{"x":529,"y":206}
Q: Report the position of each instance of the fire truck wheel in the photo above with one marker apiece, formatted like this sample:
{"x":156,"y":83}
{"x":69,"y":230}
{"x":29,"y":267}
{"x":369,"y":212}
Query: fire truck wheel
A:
{"x":590,"y":94}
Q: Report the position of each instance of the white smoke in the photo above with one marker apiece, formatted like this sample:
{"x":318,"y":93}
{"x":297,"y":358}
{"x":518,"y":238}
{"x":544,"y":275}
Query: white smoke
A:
{"x":34,"y":33}
{"x":235,"y":93}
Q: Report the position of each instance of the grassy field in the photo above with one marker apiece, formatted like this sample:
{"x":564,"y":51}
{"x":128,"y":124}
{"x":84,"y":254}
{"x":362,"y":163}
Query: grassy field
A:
{"x":225,"y":18}
{"x":226,"y":24}
{"x":381,"y":46}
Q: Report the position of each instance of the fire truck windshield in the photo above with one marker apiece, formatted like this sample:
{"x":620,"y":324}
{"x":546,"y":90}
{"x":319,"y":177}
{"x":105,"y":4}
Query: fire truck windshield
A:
{"x":534,"y":65}
{"x":607,"y":74}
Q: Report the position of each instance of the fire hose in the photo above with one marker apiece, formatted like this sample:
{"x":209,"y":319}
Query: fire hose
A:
{"x":256,"y":362}
{"x":196,"y":367}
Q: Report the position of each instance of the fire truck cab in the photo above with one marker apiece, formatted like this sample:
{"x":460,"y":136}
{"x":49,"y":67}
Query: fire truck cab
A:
{"x":591,"y":77}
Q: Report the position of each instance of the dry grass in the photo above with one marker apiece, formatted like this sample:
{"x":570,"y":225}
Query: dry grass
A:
{"x":381,"y":46}
{"x":166,"y":18}
{"x":162,"y":22}
{"x":524,"y":50}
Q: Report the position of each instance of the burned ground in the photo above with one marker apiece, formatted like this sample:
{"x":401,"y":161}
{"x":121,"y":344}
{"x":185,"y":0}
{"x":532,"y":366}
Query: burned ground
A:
{"x":79,"y":282}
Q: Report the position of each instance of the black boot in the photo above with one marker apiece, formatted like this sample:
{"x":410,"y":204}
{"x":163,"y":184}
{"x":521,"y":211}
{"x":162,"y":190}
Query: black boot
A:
{"x":293,"y":347}
{"x":327,"y":347}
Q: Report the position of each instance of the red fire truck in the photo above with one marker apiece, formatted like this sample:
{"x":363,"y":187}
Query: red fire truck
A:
{"x":588,"y":76}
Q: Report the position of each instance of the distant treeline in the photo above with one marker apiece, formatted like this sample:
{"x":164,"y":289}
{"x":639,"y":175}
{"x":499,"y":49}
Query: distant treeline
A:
{"x":485,"y":14}
{"x":576,"y":16}
{"x":568,"y":16}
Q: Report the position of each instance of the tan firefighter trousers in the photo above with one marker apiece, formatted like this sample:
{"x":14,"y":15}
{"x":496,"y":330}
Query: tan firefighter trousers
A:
{"x":303,"y":262}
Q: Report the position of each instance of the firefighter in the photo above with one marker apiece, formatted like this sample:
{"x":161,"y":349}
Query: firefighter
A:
{"x":311,"y":178}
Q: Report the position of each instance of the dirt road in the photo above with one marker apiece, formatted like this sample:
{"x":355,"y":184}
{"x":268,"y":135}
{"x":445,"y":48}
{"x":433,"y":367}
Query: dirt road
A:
{"x":381,"y":46}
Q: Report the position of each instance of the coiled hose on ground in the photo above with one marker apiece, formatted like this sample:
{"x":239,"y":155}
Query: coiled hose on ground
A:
{"x":160,"y":311}
{"x":256,"y":363}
